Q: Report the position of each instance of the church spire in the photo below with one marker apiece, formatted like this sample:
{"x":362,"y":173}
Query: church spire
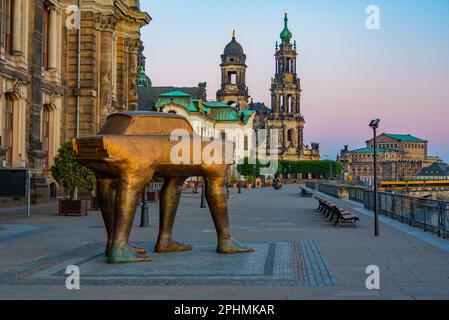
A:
{"x":286,"y":34}
{"x":233,"y":34}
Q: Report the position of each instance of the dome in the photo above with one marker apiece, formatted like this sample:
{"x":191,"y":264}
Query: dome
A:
{"x":233,"y":48}
{"x":286,"y":34}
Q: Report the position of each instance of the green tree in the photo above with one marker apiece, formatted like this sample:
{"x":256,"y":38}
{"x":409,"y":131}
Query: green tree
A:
{"x":68,"y":173}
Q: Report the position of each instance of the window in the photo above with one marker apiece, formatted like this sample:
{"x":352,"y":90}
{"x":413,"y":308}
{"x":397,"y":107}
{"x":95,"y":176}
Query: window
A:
{"x":6,"y":14}
{"x":8,"y":129}
{"x":45,"y":36}
{"x":232,"y":77}
{"x":290,"y":135}
{"x":290,"y":104}
{"x":46,"y":134}
{"x":245,"y":143}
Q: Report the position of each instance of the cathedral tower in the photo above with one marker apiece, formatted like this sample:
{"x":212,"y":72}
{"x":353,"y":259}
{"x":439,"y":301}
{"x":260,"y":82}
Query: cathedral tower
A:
{"x":233,"y":89}
{"x":285,"y":114}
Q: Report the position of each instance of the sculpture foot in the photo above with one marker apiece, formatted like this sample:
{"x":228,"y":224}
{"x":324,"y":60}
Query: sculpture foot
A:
{"x":230,"y":246}
{"x":125,"y":254}
{"x":135,"y":249}
{"x":169,"y":245}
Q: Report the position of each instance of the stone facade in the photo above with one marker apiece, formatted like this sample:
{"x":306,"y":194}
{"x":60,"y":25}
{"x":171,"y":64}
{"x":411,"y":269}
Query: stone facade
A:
{"x":31,"y":87}
{"x":400,"y":157}
{"x":109,"y":46}
{"x":285,"y":114}
{"x":233,"y":90}
{"x":39,"y":76}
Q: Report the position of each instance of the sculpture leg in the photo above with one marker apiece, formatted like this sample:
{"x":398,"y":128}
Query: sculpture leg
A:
{"x":106,"y":193}
{"x":216,"y":199}
{"x":128,"y":193}
{"x":170,"y":195}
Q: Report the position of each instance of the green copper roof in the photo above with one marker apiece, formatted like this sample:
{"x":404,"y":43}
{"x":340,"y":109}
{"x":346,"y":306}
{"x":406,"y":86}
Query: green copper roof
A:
{"x":180,"y":100}
{"x":286,"y":34}
{"x":175,"y":94}
{"x":371,"y":150}
{"x":215,"y":104}
{"x":404,"y":137}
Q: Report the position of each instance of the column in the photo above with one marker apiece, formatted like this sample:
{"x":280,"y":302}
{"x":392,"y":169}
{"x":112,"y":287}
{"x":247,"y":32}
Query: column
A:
{"x":17,"y":27}
{"x":53,"y":41}
{"x":106,"y":25}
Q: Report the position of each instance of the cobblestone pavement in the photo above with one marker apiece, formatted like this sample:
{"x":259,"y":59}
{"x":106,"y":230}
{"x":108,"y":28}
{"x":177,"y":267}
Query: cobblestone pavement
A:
{"x":299,"y":255}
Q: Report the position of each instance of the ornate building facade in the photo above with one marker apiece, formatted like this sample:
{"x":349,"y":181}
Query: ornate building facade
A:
{"x":233,"y":90}
{"x":400,"y":157}
{"x":102,"y":68}
{"x":58,"y":82}
{"x":285,"y":114}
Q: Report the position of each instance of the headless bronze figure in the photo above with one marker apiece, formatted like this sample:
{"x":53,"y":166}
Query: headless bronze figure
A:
{"x":128,"y":151}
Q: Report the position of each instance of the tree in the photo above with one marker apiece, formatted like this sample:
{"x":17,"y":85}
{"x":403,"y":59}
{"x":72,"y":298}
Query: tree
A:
{"x":68,"y":173}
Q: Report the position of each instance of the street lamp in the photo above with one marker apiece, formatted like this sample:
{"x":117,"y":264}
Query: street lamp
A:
{"x":203,"y":203}
{"x":374,"y":124}
{"x":144,"y":217}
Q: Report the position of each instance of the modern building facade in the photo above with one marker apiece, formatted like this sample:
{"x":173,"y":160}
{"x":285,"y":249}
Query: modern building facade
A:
{"x":60,"y":78}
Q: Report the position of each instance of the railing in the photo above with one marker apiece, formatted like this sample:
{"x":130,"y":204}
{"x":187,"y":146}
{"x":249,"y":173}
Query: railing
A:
{"x":155,"y":186}
{"x":431,"y":215}
{"x":311,"y":185}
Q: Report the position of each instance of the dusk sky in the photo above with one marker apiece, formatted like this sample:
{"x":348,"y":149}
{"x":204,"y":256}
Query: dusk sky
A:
{"x":349,"y":74}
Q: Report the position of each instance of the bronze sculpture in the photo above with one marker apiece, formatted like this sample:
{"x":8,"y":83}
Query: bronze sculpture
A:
{"x":128,"y":151}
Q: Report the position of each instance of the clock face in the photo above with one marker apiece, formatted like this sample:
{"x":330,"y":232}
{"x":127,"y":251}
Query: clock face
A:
{"x":288,"y":78}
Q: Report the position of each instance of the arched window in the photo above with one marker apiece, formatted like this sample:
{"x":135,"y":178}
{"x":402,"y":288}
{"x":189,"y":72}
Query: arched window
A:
{"x":290,"y":104}
{"x":290,"y":135}
{"x":172,"y":112}
{"x":233,"y":104}
{"x":232,"y":77}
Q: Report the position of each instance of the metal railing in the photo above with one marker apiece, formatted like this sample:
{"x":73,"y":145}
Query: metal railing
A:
{"x":431,"y":215}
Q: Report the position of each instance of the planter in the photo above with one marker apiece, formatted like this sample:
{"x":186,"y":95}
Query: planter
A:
{"x":73,"y":207}
{"x":249,"y":186}
{"x":235,"y":186}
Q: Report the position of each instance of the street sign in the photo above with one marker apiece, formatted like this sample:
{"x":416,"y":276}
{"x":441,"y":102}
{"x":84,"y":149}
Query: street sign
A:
{"x":15,"y":183}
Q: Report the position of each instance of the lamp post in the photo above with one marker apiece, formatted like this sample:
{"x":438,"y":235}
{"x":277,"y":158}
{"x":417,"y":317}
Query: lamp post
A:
{"x":144,"y":217}
{"x":240,"y":184}
{"x":374,"y":124}
{"x":203,"y":204}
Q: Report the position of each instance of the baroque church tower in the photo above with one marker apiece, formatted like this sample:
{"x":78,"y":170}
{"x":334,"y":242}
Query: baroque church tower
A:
{"x":285,"y":113}
{"x":233,"y":91}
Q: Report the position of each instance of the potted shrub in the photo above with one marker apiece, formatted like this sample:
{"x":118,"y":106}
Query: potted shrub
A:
{"x":71,"y":176}
{"x":234,"y":182}
{"x":249,"y":182}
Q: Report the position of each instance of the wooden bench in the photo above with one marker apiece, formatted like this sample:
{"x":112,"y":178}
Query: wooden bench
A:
{"x":305,"y":193}
{"x":332,"y":212}
{"x":344,"y":216}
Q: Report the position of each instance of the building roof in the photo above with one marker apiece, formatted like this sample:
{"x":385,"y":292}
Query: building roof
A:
{"x":371,"y":150}
{"x":149,"y":95}
{"x":233,"y":48}
{"x":213,"y":109}
{"x":436,"y":169}
{"x":404,"y":137}
{"x":176,"y":93}
{"x":176,"y":97}
{"x":286,"y":34}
